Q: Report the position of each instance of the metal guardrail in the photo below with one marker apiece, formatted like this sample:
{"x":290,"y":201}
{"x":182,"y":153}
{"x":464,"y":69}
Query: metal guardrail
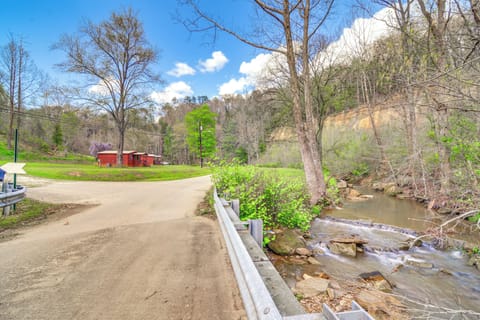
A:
{"x":257,"y":299}
{"x":12,"y":196}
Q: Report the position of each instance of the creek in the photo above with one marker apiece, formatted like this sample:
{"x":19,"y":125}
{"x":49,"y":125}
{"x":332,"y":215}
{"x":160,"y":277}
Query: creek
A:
{"x":441,"y":278}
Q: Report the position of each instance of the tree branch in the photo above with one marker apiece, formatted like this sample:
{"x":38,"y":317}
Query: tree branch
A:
{"x":215,"y":24}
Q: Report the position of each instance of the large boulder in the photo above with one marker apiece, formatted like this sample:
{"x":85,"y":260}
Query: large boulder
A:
{"x":379,"y":186}
{"x":409,"y":243}
{"x":380,"y":305}
{"x":474,"y":261}
{"x":419,"y":264}
{"x":350,"y":240}
{"x":342,"y":184}
{"x":378,"y":281}
{"x":313,"y":260}
{"x":353,"y":193}
{"x":311,"y":287}
{"x":348,"y":246}
{"x":286,"y":243}
{"x":346,"y":249}
{"x":444,"y":210}
{"x":391,"y":189}
{"x":303,"y":252}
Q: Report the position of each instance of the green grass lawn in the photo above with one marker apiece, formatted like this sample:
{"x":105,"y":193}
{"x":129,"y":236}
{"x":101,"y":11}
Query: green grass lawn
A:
{"x":6,"y":155}
{"x":84,"y":168}
{"x":285,"y":172}
{"x":91,"y":172}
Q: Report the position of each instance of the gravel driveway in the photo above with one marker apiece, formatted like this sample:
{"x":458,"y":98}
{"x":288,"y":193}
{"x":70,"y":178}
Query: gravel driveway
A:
{"x":139,"y":254}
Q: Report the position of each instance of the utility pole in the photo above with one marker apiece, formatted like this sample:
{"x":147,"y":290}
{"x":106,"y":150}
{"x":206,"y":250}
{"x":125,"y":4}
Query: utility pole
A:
{"x":200,"y":128}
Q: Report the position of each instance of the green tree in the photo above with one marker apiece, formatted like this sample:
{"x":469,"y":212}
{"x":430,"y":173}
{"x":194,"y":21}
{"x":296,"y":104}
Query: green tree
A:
{"x":201,"y":137}
{"x":57,"y":137}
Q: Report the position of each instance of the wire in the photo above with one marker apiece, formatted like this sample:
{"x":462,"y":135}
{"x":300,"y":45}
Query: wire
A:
{"x":58,"y":120}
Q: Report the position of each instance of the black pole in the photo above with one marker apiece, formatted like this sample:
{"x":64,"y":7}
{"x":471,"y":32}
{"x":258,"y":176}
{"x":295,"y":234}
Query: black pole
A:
{"x":200,"y":142}
{"x":15,"y":157}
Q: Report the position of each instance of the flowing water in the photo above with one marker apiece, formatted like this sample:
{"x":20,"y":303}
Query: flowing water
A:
{"x":449,"y":284}
{"x":388,"y":210}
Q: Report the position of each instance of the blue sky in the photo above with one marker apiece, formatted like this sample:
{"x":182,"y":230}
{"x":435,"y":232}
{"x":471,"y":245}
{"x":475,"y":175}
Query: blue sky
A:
{"x":206,"y":65}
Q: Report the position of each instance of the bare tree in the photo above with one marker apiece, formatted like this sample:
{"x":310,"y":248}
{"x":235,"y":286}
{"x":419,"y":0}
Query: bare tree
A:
{"x":21,"y":79}
{"x":116,"y":58}
{"x":437,"y":17}
{"x":10,"y":61}
{"x":289,"y":29}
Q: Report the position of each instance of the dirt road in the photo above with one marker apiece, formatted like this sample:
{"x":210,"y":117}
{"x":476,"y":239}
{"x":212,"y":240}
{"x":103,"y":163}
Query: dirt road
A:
{"x":139,"y":254}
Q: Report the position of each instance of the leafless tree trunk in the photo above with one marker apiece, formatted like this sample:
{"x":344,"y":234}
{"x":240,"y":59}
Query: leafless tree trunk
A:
{"x":369,"y":96}
{"x":21,"y":55}
{"x":437,"y":18}
{"x":10,"y":60}
{"x":21,"y":79}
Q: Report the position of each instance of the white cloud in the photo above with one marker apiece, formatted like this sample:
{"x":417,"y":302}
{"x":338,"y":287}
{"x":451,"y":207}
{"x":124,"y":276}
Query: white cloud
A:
{"x":175,"y":90}
{"x":215,"y":63}
{"x":359,"y":36}
{"x":253,"y":73}
{"x":255,"y":67}
{"x":101,"y":88}
{"x":233,"y":86}
{"x":181,"y":69}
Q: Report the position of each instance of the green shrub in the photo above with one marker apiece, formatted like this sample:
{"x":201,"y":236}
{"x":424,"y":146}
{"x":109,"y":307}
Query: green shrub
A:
{"x":278,"y":201}
{"x":475,"y":218}
{"x":242,"y":155}
{"x":361,"y":169}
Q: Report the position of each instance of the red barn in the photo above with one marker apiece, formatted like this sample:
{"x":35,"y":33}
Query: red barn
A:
{"x":140,"y":159}
{"x":109,"y":158}
{"x":151,"y":159}
{"x":130,"y":159}
{"x":154,"y":159}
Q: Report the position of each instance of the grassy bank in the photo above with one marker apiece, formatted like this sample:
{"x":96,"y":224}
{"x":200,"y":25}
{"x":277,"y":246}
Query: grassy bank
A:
{"x":91,"y":172}
{"x":6,"y":155}
{"x":27,"y":210}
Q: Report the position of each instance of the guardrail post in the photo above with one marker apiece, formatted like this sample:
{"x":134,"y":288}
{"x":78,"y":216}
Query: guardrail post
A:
{"x":6,"y":210}
{"x":256,"y":230}
{"x":236,"y":206}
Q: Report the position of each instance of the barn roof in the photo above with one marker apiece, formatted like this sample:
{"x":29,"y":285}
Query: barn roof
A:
{"x":115,"y":152}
